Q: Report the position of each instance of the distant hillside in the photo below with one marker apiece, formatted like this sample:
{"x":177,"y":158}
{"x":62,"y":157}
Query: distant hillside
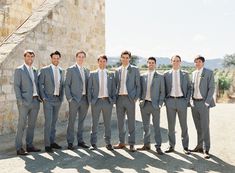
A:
{"x":211,"y":63}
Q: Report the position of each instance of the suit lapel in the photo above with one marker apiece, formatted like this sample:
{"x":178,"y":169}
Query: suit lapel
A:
{"x":181,"y":79}
{"x":78,"y":71}
{"x":128,"y":72}
{"x":27,"y":72}
{"x":52,"y":75}
{"x":170,"y":79}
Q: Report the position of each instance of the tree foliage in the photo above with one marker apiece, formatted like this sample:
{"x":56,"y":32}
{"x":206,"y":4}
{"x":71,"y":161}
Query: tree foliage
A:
{"x":229,"y":60}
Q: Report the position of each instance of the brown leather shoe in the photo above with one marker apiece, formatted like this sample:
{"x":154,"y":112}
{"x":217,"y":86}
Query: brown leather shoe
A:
{"x":145,"y":147}
{"x":197,"y":149}
{"x":119,"y":146}
{"x":21,"y":152}
{"x":132,"y":148}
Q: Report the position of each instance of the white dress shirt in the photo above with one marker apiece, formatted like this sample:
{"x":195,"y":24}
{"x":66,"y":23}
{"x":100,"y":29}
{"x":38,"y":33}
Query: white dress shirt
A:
{"x":82,"y":72}
{"x":58,"y":79}
{"x":176,"y":86}
{"x":149,"y":83}
{"x":123,"y":89}
{"x":196,"y":79}
{"x":105,"y":83}
{"x":31,"y":74}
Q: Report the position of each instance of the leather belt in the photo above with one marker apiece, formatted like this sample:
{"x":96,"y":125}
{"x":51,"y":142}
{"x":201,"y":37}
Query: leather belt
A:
{"x":103,"y":98}
{"x":35,"y":97}
{"x":176,"y":97}
{"x":197,"y":99}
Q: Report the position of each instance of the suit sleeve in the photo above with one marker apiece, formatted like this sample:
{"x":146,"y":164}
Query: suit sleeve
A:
{"x":162,"y":91}
{"x":188,"y":88}
{"x":211,"y":88}
{"x":137,"y":83}
{"x":67,"y":85}
{"x":89,"y":88}
{"x":17,"y":85}
{"x":41,"y":82}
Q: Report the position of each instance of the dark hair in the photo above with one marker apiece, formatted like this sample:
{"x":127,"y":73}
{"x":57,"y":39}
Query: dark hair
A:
{"x":55,"y":53}
{"x":126,"y":53}
{"x":177,"y":56}
{"x":199,"y":57}
{"x":80,"y":51}
{"x":152,"y":58}
{"x":29,"y":52}
{"x":102,"y":57}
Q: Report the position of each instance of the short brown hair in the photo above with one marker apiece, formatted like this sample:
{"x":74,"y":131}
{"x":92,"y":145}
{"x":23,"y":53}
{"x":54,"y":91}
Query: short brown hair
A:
{"x":31,"y":52}
{"x":126,"y":53}
{"x":102,"y":57}
{"x":199,"y":57}
{"x":80,"y":51}
{"x":177,"y":56}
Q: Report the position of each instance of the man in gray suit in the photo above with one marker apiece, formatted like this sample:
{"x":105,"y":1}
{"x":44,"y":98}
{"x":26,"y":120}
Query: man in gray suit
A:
{"x":177,"y":87}
{"x":101,"y":96}
{"x":51,"y":91}
{"x":26,"y":91}
{"x":76,"y":93}
{"x":203,"y":87}
{"x":127,"y":78}
{"x":152,"y":96}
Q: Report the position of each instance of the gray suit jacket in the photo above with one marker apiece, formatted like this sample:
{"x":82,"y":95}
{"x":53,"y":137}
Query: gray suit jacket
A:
{"x":206,"y":86}
{"x":93,"y":87}
{"x":23,"y":85}
{"x":132,"y":82}
{"x":184,"y":84}
{"x":157,"y":92}
{"x":47,"y":84}
{"x":74,"y":83}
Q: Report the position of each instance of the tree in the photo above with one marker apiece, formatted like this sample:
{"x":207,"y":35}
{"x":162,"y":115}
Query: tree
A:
{"x":229,"y":60}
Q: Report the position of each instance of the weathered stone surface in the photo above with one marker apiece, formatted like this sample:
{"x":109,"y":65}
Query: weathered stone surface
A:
{"x":63,"y":25}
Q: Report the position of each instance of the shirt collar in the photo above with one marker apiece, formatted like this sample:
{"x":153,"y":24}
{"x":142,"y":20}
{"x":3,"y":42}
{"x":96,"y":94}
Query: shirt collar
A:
{"x":200,"y":71}
{"x":27,"y":66}
{"x":79,"y":66}
{"x":99,"y":70}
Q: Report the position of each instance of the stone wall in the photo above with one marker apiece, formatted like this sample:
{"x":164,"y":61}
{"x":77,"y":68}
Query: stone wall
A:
{"x":63,"y":25}
{"x":13,"y":13}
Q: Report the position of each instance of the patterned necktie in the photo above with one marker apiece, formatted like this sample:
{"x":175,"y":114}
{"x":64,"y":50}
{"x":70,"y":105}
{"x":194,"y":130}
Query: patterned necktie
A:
{"x":57,"y":85}
{"x":148,"y":96}
{"x":83,"y":80}
{"x":32,"y":78}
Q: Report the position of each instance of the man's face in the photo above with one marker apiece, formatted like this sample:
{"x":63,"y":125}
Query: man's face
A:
{"x":151,"y":65}
{"x":80,"y":58}
{"x":28,"y":58}
{"x":198,"y":64}
{"x":102,"y":63}
{"x":125,"y":58}
{"x":55,"y":60}
{"x":175,"y":62}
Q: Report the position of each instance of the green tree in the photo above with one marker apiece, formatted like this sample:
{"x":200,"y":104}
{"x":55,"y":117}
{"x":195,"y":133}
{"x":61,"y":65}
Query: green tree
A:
{"x":229,"y":60}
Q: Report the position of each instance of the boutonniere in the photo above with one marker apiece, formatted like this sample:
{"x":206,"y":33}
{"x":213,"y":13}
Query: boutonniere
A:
{"x":155,"y":75}
{"x":34,"y":69}
{"x":202,"y":76}
{"x":109,"y":74}
{"x":129,"y":69}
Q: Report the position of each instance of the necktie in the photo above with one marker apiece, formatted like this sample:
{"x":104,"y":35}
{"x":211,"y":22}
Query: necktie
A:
{"x":176,"y":84}
{"x":196,"y":87}
{"x":102,"y":83}
{"x":32,"y":78}
{"x":83,"y":80}
{"x":148,"y":96}
{"x":122,"y":89}
{"x":57,"y":85}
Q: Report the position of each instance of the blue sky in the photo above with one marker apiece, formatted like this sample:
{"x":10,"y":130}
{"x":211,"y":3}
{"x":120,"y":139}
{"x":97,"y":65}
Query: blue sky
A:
{"x":162,"y":28}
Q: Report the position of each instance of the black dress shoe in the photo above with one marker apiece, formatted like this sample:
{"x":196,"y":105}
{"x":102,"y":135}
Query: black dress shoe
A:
{"x":56,"y":146}
{"x":32,"y":149}
{"x":109,"y":147}
{"x":197,"y":149}
{"x":70,"y":146}
{"x":206,"y":155}
{"x":159,"y":151}
{"x":21,"y":152}
{"x":49,"y":150}
{"x":93,"y":147}
{"x":170,"y":150}
{"x":132,"y":148}
{"x":186,"y":151}
{"x":83,"y":145}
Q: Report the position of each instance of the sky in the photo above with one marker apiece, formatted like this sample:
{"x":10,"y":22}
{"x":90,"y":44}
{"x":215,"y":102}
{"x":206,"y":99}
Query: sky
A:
{"x":163,"y":28}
